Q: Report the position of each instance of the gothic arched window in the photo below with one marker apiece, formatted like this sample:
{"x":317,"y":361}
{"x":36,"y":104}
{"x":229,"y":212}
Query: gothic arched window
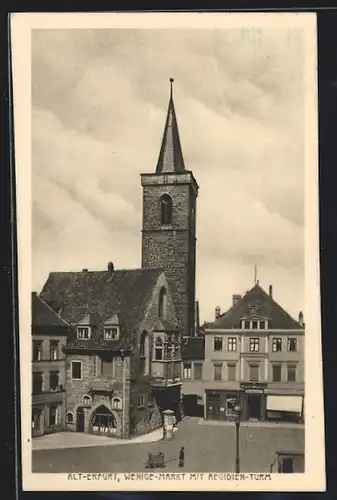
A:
{"x":158,"y":349}
{"x":166,"y":209}
{"x":162,"y":304}
{"x":144,"y":353}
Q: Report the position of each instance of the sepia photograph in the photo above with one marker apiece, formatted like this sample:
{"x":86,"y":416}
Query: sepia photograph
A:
{"x":167,"y":200}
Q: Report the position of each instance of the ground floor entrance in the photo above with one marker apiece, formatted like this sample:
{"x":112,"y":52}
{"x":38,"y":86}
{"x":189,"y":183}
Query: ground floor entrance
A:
{"x":222,"y":405}
{"x":254,"y":406}
{"x":103,"y":422}
{"x":80,"y":424}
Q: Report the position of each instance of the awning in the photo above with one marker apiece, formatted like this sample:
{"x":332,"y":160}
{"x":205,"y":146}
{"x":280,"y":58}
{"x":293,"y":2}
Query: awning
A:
{"x":285,"y":403}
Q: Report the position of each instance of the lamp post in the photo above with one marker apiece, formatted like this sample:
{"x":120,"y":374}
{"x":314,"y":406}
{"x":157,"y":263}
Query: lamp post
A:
{"x":237,"y":434}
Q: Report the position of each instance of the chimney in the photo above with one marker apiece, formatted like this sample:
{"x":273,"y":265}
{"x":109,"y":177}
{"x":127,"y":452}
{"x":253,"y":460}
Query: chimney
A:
{"x":217,"y":312}
{"x":84,"y":270}
{"x":270,"y":290}
{"x":236,"y":299}
{"x":301,"y":318}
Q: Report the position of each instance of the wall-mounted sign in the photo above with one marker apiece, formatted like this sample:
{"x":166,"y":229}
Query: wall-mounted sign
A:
{"x":254,"y":391}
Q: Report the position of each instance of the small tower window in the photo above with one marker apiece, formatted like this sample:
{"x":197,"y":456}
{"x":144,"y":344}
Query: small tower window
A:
{"x":166,"y":209}
{"x":162,"y":304}
{"x":158,"y":348}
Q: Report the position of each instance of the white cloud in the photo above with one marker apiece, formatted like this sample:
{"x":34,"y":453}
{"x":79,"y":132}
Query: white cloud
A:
{"x":99,"y":104}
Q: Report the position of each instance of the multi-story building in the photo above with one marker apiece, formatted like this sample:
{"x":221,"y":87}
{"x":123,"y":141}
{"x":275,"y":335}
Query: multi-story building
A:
{"x":254,"y":360}
{"x":49,"y":335}
{"x":123,"y":360}
{"x":193,"y":355}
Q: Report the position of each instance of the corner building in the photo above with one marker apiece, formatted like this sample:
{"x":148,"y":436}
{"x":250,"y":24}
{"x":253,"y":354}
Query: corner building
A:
{"x":169,"y":222}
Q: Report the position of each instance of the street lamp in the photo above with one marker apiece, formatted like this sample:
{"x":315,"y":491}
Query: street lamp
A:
{"x":237,"y":429}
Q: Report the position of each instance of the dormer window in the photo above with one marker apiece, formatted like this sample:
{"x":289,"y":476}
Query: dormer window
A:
{"x":111,"y":333}
{"x":83,"y":332}
{"x":254,"y":324}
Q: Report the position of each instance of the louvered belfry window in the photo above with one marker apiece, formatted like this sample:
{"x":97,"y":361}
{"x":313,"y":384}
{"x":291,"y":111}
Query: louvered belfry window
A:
{"x":166,"y":209}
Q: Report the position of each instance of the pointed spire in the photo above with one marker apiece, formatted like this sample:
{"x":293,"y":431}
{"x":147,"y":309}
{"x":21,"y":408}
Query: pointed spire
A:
{"x":170,"y":157}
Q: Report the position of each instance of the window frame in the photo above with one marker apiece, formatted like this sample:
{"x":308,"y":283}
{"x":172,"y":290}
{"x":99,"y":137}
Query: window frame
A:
{"x":158,"y":347}
{"x":232,"y":342}
{"x":141,"y":400}
{"x":52,"y":373}
{"x":289,"y":341}
{"x":67,"y":418}
{"x":39,"y":344}
{"x":41,"y":377}
{"x":257,"y":367}
{"x":253,"y":342}
{"x":166,"y":210}
{"x":232,"y":366}
{"x":111,"y":328}
{"x":78,"y":362}
{"x":200,"y":366}
{"x":274,"y":366}
{"x":187,"y":368}
{"x":83,"y":328}
{"x":57,"y":415}
{"x":54,"y":347}
{"x":275,"y":343}
{"x":292,"y":366}
{"x":215,"y":340}
{"x":215,"y":367}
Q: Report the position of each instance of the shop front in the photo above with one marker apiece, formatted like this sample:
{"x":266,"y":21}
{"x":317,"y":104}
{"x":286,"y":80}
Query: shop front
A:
{"x":220,"y":405}
{"x":253,"y":401}
{"x":287,"y":408}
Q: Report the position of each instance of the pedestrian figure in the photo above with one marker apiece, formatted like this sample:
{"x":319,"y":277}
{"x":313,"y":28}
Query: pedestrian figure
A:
{"x":182,"y":457}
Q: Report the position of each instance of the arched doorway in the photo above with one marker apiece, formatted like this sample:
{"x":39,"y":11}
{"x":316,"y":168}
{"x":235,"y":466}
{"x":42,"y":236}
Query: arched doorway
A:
{"x":80,"y":419}
{"x":193,"y":405}
{"x":103,"y":422}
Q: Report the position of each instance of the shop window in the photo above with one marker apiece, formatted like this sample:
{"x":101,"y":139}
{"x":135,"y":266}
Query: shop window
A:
{"x":54,"y":415}
{"x":197,"y":371}
{"x":277,"y":344}
{"x":54,"y":380}
{"x":76,"y":370}
{"x":217,"y":344}
{"x":291,"y":373}
{"x":111,"y":333}
{"x":117,"y":403}
{"x":292,"y":345}
{"x":37,"y":350}
{"x":166,"y":209}
{"x":276,"y":373}
{"x":254,"y":344}
{"x":232,"y":344}
{"x":231,"y":371}
{"x":83,"y":333}
{"x":230,"y":407}
{"x":54,"y":350}
{"x":158,"y":349}
{"x":254,"y":373}
{"x":69,"y":418}
{"x":217,"y":372}
{"x":37,"y":382}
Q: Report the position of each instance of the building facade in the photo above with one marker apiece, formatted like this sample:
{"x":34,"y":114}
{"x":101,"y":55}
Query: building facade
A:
{"x":123,"y":361}
{"x":254,"y":361}
{"x":49,"y":336}
{"x":169,"y":222}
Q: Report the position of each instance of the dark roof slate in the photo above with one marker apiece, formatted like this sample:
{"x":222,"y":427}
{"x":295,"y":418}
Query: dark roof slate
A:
{"x":171,"y":158}
{"x":193,"y":348}
{"x":46,"y":321}
{"x":256,"y":303}
{"x":102,"y":295}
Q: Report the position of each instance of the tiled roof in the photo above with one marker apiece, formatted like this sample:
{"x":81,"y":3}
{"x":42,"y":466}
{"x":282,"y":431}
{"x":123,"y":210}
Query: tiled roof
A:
{"x":256,"y":302}
{"x":102,"y":295}
{"x":45,"y":321}
{"x":193,"y":348}
{"x":170,"y":156}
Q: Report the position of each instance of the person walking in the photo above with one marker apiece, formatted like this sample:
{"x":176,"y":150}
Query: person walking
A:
{"x":182,"y":457}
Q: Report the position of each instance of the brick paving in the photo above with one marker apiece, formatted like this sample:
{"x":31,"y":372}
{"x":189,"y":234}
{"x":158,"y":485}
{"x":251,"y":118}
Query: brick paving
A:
{"x":207,"y":449}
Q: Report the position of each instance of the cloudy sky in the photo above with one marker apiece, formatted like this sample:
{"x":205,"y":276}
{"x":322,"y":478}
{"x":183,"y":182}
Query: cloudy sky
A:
{"x":99,"y":104}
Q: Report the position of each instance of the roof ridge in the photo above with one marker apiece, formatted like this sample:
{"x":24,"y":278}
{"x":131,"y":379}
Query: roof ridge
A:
{"x":53,"y":311}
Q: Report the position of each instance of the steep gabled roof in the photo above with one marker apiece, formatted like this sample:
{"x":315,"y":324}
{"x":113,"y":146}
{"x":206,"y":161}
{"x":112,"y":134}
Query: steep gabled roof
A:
{"x":256,"y":303}
{"x":46,"y":321}
{"x":103,"y":295}
{"x":171,"y":158}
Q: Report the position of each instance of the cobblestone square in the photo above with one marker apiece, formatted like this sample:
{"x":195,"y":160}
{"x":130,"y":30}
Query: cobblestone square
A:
{"x":208,"y":448}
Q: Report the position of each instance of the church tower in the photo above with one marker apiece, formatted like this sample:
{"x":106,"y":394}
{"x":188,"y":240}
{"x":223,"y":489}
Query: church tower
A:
{"x":169,"y":221}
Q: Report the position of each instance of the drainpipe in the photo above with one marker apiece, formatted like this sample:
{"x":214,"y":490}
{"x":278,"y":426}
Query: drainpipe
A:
{"x":124,"y":392}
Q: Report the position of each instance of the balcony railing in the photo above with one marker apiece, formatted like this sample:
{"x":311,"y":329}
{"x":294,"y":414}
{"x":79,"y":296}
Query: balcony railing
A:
{"x":165,"y":382}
